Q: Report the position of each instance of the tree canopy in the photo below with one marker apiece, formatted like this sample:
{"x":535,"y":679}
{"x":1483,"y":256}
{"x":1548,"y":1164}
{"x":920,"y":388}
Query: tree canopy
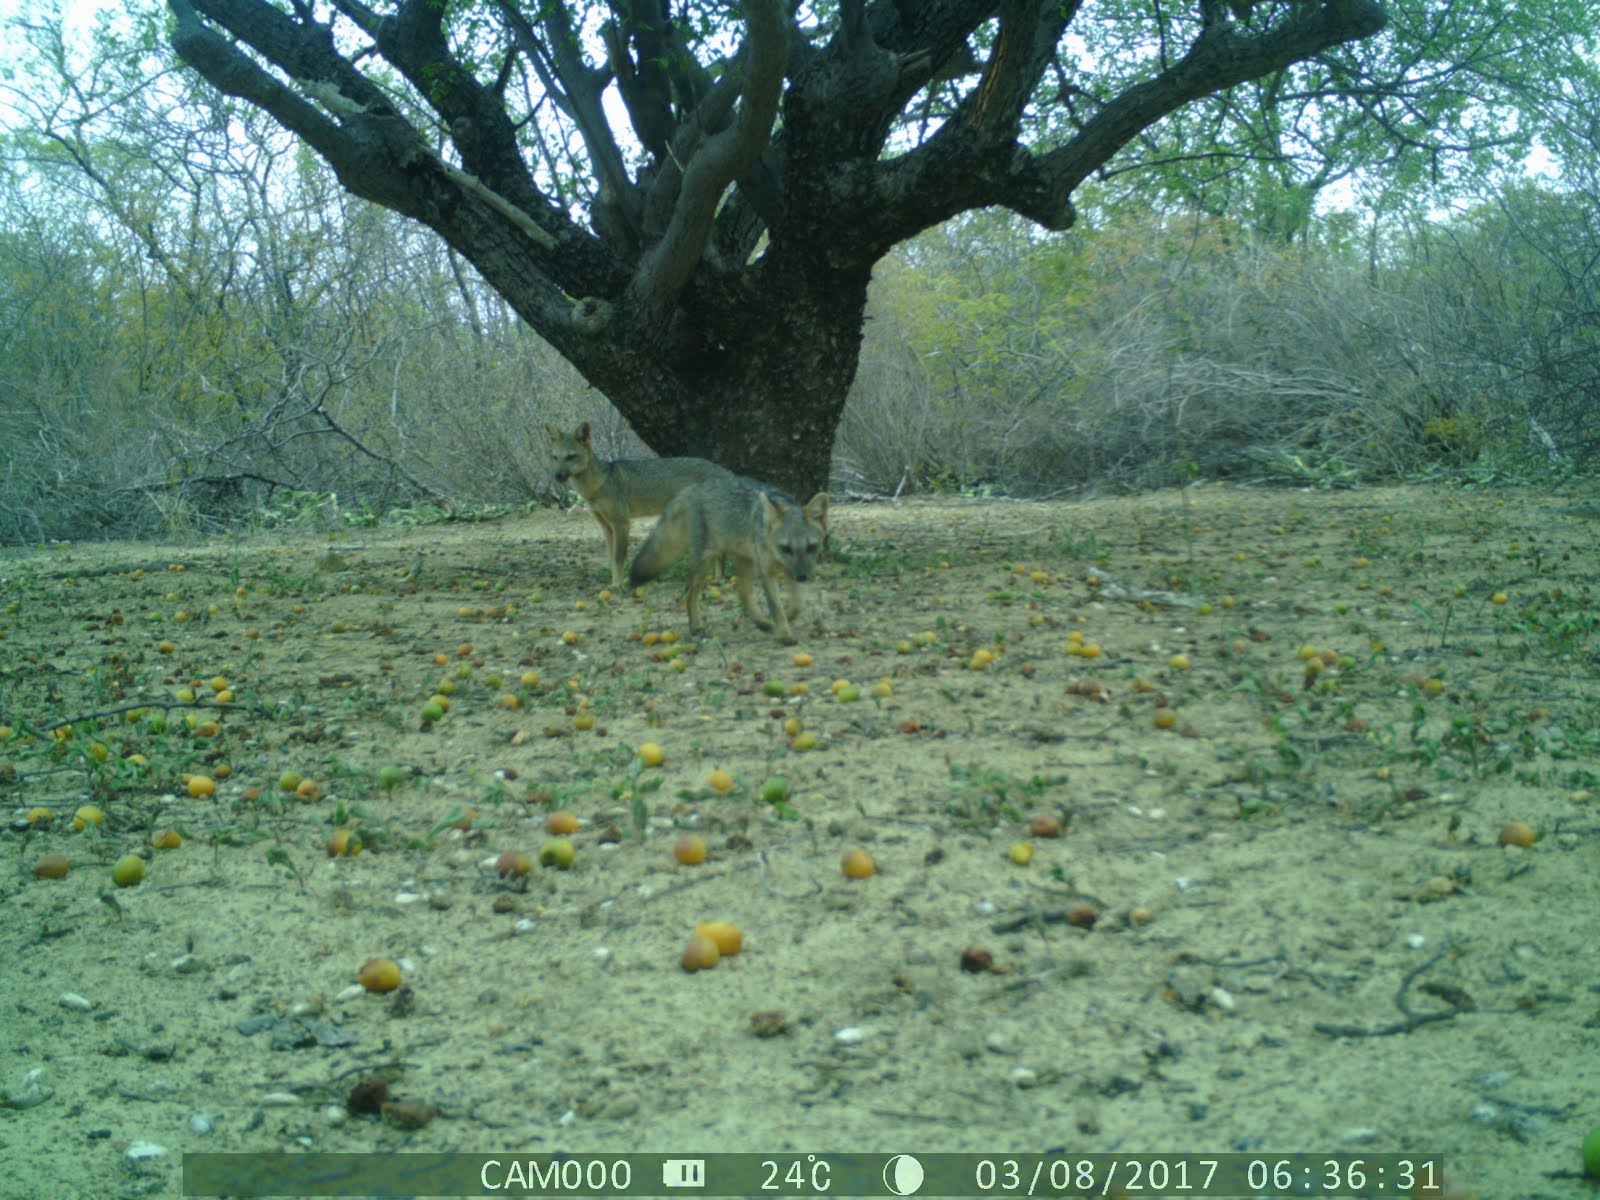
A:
{"x":687,"y":200}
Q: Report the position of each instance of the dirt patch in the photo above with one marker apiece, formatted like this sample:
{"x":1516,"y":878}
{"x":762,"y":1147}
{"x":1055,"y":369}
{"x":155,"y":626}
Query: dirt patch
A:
{"x":1305,"y":936}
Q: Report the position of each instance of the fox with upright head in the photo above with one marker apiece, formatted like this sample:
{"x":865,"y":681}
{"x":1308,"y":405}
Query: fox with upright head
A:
{"x":621,"y":489}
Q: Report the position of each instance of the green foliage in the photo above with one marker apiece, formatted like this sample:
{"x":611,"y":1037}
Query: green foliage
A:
{"x":1446,"y":102}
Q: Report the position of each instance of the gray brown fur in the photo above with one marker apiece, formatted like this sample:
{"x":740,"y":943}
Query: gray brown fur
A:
{"x":771,"y":537}
{"x":621,"y":489}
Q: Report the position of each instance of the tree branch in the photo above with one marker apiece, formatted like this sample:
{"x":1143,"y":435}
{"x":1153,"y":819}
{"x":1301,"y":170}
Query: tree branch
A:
{"x":1220,"y":58}
{"x":720,"y":159}
{"x":964,"y":165}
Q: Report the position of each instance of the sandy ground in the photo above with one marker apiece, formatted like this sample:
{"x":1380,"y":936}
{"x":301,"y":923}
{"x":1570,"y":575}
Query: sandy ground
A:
{"x":1284,"y":923}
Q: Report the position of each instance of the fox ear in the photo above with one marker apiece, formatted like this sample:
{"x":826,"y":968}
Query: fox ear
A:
{"x":555,"y":434}
{"x":817,"y":509}
{"x":770,"y":508}
{"x":583,"y":433}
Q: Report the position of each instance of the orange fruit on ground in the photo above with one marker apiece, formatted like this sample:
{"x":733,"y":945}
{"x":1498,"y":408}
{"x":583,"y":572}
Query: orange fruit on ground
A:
{"x":562,"y":822}
{"x":690,"y":849}
{"x":201,"y":785}
{"x":379,"y":975}
{"x":700,"y":954}
{"x":1516,"y":833}
{"x":858,"y":864}
{"x":728,"y":937}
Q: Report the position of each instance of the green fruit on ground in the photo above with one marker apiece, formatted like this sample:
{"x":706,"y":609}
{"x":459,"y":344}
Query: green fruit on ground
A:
{"x":1591,"y":1153}
{"x":128,"y":871}
{"x":557,"y":852}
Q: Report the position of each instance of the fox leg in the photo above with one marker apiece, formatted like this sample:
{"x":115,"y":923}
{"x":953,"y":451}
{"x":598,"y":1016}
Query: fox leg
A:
{"x":746,"y":568}
{"x":616,"y":544}
{"x":780,"y":618}
{"x":617,"y":537}
{"x":698,"y":570}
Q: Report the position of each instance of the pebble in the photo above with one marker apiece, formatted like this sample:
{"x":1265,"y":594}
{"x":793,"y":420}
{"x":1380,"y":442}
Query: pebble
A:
{"x":201,"y":1123}
{"x":75,"y":1002}
{"x":1359,"y":1133}
{"x":1024,"y":1077}
{"x":1223,"y":999}
{"x":404,"y":898}
{"x":34,"y":1090}
{"x":145,"y":1152}
{"x":280,"y":1099}
{"x":524,"y":925}
{"x":350,"y":993}
{"x":851,"y":1035}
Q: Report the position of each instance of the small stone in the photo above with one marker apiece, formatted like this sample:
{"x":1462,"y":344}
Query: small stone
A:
{"x":33,"y":1091}
{"x":851,"y":1035}
{"x":75,"y":1002}
{"x":201,"y":1123}
{"x":409,"y":1114}
{"x":367,"y":1096}
{"x":145,"y":1152}
{"x":976,"y":959}
{"x":768,"y":1023}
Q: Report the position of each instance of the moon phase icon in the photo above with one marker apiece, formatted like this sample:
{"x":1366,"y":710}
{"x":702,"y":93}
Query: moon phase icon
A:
{"x":902,"y":1175}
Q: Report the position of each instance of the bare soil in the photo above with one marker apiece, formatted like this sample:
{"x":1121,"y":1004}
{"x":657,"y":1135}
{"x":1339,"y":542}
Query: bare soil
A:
{"x":1306,"y":935}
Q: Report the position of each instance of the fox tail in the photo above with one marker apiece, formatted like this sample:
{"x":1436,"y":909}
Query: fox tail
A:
{"x":666,"y":543}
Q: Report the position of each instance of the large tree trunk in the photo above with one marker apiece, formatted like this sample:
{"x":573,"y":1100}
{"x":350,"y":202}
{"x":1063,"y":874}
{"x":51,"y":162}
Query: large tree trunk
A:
{"x":763,"y":399}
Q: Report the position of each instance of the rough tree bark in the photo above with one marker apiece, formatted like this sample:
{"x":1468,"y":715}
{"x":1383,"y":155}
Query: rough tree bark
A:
{"x":716,"y":294}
